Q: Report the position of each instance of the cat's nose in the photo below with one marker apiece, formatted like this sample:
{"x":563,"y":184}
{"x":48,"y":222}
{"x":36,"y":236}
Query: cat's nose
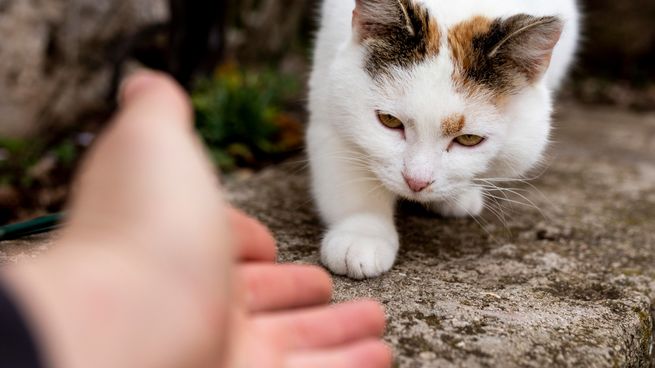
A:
{"x":417,"y":185}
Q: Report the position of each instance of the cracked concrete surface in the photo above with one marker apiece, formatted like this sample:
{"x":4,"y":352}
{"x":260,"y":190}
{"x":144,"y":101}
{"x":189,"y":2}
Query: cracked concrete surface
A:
{"x":568,"y":282}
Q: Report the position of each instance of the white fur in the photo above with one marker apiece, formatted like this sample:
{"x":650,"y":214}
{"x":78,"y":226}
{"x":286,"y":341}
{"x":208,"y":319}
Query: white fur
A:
{"x":357,"y":163}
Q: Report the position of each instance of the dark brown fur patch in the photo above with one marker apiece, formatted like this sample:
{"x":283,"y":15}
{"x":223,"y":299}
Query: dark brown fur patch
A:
{"x":503,"y":55}
{"x":396,"y":33}
{"x":453,"y":125}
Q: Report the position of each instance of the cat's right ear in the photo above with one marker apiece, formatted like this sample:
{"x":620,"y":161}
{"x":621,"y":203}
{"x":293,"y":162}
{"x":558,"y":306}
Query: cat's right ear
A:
{"x":381,"y":19}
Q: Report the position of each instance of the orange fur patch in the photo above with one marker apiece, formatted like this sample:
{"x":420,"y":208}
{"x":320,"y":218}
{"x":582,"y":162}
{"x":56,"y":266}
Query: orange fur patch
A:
{"x":433,"y":38}
{"x":453,"y":125}
{"x":460,"y":39}
{"x":494,"y":58}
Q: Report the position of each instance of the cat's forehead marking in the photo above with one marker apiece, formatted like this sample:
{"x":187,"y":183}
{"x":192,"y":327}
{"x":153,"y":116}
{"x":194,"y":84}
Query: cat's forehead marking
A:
{"x":464,"y":39}
{"x":453,"y":125}
{"x":404,"y":44}
{"x":461,"y":39}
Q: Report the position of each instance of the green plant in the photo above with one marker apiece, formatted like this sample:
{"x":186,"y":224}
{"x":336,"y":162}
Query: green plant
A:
{"x":34,"y":174}
{"x":19,"y":155}
{"x":240,"y":115}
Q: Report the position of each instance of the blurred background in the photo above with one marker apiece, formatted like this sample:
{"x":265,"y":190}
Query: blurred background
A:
{"x":61,"y":62}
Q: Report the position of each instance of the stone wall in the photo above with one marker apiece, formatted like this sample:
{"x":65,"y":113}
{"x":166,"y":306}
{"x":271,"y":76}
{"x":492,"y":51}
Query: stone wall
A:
{"x":58,"y":57}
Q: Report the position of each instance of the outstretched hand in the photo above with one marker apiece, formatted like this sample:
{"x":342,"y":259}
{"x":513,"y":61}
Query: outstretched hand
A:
{"x":155,"y":270}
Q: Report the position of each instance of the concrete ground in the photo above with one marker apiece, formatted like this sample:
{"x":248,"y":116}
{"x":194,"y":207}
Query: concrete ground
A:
{"x":565,"y":279}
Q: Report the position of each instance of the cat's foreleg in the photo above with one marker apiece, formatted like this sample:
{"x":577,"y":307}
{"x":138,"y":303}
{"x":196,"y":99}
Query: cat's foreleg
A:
{"x":362,"y":241}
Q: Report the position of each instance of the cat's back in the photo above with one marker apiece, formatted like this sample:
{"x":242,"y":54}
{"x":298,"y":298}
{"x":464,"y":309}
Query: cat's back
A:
{"x":335,"y":30}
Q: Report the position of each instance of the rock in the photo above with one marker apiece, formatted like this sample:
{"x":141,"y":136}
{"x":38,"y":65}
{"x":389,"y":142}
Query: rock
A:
{"x":25,"y":249}
{"x":570,"y":284}
{"x":59,"y":57}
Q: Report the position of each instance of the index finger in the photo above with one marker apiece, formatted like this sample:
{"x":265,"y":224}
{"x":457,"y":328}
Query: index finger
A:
{"x":254,"y":241}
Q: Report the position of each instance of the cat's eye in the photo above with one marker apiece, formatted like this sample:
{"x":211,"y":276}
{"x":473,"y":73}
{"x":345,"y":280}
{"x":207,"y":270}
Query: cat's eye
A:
{"x":469,"y":140}
{"x":390,"y":121}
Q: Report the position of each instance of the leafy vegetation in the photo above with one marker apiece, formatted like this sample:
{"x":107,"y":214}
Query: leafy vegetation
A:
{"x":242,"y":117}
{"x":33,"y":176}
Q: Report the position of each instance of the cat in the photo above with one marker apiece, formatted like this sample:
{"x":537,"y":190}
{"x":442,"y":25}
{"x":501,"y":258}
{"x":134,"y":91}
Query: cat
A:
{"x":421,"y":99}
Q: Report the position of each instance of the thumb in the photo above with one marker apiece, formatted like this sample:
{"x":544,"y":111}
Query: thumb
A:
{"x":156,"y":93}
{"x":148,"y":181}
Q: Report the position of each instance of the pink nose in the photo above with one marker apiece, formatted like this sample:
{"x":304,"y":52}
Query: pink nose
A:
{"x":417,"y":185}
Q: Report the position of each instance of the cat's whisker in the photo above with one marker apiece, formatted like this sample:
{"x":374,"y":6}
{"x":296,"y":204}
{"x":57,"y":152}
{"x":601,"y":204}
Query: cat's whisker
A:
{"x":351,"y":159}
{"x":376,"y":189}
{"x":498,"y":212}
{"x":302,"y":167}
{"x":517,"y":178}
{"x":499,"y":189}
{"x":500,"y":216}
{"x":359,"y":181}
{"x":492,"y":188}
{"x":475,"y":218}
{"x":519,"y":203}
{"x":528,"y":200}
{"x":540,"y":193}
{"x":518,"y":192}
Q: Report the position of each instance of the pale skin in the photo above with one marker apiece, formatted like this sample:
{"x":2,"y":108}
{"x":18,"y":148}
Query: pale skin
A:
{"x":155,"y":270}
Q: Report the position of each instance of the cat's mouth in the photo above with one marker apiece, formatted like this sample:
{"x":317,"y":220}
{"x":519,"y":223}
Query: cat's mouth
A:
{"x":437,"y":190}
{"x":426,"y":195}
{"x":424,"y":198}
{"x":429,"y":194}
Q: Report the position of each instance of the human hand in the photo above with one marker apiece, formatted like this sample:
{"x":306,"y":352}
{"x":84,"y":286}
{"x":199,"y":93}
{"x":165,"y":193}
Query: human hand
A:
{"x":144,"y":273}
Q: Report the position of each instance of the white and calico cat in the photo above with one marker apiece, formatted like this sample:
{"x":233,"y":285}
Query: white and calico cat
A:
{"x":419,"y":99}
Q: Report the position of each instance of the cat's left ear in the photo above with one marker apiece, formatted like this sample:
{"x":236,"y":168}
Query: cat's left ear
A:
{"x":527,"y":41}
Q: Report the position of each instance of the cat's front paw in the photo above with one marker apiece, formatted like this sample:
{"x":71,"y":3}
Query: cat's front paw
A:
{"x":358,"y":256}
{"x":360,"y":252}
{"x":469,"y":204}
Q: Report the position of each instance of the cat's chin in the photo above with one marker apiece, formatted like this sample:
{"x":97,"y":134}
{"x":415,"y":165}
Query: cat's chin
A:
{"x":406,"y":194}
{"x":421,"y":198}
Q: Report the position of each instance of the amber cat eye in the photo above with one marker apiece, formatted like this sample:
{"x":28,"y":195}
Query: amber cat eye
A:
{"x":469,"y":140}
{"x":390,"y":121}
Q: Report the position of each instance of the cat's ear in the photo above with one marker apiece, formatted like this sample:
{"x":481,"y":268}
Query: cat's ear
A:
{"x":377,"y":19}
{"x":527,"y":41}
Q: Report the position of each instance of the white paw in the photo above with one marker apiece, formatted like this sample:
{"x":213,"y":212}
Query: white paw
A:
{"x":359,"y":253}
{"x":465,"y":205}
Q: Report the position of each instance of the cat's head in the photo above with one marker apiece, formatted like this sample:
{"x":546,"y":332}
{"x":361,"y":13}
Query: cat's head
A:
{"x":438,"y":105}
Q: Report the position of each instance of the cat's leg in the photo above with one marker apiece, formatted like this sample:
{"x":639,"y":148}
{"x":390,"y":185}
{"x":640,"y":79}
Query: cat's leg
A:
{"x":361,"y":241}
{"x":467,"y":204}
{"x":360,"y":246}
